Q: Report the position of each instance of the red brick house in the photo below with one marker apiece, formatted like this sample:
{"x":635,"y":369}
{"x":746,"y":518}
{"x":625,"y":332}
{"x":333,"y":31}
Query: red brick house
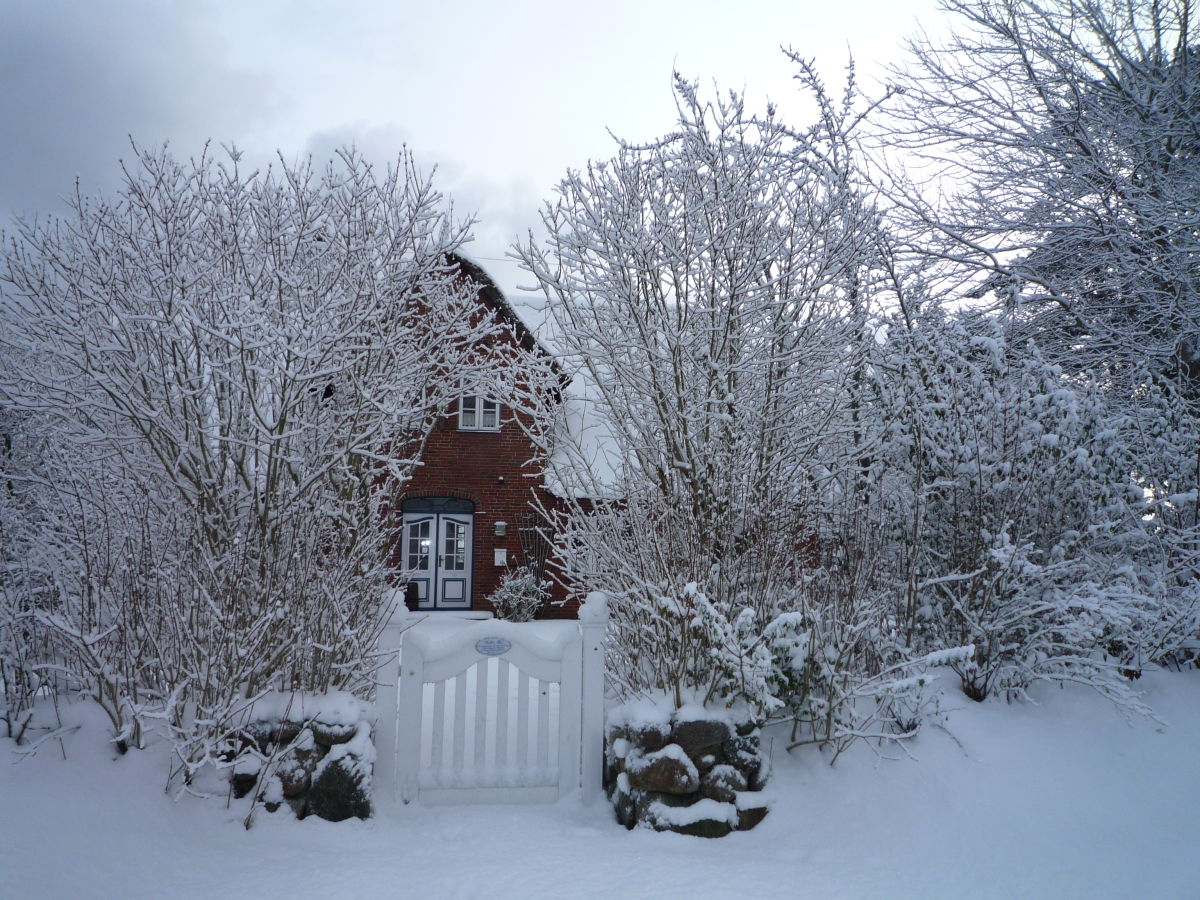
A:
{"x":469,"y":512}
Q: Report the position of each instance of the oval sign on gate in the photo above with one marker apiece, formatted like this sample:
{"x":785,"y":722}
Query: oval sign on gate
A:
{"x":493,"y":646}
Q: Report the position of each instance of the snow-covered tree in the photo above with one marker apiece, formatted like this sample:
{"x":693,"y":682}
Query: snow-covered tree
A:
{"x":1062,"y":139}
{"x":712,"y":288}
{"x":232,"y":374}
{"x":1067,"y":136}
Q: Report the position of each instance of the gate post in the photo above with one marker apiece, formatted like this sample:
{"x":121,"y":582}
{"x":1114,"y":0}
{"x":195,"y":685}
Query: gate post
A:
{"x":408,"y":746}
{"x":386,"y":713}
{"x":593,"y":622}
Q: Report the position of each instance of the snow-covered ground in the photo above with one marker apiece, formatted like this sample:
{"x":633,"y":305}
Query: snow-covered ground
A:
{"x":1059,"y":799}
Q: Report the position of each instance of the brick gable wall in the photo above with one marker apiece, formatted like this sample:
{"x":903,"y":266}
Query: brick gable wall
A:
{"x":490,"y":469}
{"x":495,"y":470}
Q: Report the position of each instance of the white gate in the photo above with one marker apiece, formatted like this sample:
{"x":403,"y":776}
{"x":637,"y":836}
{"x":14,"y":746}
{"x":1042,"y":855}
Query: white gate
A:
{"x":494,"y":712}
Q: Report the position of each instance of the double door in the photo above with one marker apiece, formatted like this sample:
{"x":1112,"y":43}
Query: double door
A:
{"x":437,"y":558}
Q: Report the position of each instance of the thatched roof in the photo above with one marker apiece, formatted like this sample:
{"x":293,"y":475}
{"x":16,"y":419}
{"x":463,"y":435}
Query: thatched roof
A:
{"x":494,"y":297}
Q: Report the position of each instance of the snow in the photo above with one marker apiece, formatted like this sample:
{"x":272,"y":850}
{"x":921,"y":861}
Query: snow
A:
{"x":331,"y":708}
{"x":594,"y":609}
{"x":696,"y":712}
{"x":1060,"y":799}
{"x":949,"y":656}
{"x":251,"y":765}
{"x":584,"y":439}
{"x":690,"y":815}
{"x":642,"y":713}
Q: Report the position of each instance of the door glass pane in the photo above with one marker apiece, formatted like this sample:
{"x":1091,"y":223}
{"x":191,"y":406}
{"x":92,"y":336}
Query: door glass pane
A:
{"x":455,"y":558}
{"x":418,"y":545}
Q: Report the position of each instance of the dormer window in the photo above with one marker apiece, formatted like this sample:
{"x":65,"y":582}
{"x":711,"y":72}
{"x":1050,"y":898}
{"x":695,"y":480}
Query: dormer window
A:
{"x":478,"y":414}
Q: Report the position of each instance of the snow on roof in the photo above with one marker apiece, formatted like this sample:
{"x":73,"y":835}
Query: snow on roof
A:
{"x":585,"y":460}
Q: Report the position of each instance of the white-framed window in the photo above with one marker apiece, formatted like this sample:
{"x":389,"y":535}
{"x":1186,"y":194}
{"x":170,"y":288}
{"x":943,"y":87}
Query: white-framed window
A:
{"x":478,"y":414}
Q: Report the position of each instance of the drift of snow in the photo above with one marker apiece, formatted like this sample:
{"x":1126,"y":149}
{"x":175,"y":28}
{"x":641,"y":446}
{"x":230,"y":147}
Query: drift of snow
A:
{"x":1057,"y":799}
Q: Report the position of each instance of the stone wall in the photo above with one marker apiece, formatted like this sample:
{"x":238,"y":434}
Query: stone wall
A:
{"x":316,"y":768}
{"x":690,"y":774}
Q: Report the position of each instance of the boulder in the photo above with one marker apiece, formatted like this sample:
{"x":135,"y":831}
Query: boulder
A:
{"x":646,"y":801}
{"x":328,"y":734}
{"x":751,"y":809}
{"x":698,"y":737}
{"x":626,"y":808}
{"x":748,"y":818}
{"x":705,"y":828}
{"x":704,"y":818}
{"x":339,"y":791}
{"x":271,"y":794}
{"x":280,"y":733}
{"x":669,"y":771}
{"x":295,"y":774}
{"x":745,"y":753}
{"x":722,"y":784}
{"x":758,"y":780}
{"x":741,"y":746}
{"x":649,"y":737}
{"x":705,"y":762}
{"x":748,"y":727}
{"x":624,"y":802}
{"x":243,"y":783}
{"x":614,"y":760}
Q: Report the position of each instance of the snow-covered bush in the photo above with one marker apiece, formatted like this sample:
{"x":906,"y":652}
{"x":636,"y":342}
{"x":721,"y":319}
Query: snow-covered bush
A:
{"x":1066,"y":133}
{"x":232,"y":375}
{"x":1019,"y":522}
{"x":520,"y":595}
{"x":709,"y":288}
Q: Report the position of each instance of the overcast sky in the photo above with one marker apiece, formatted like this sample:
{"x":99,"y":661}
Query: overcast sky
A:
{"x":502,"y":97}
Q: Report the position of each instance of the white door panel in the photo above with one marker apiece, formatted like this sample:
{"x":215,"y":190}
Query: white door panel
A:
{"x":437,"y":558}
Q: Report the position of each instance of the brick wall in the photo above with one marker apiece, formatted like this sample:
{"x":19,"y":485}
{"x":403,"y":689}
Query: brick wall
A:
{"x":493,"y":469}
{"x":490,"y":469}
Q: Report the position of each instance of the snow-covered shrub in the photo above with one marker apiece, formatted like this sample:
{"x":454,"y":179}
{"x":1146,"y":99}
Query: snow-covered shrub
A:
{"x":1066,"y":135}
{"x":233,"y":374}
{"x":1020,"y":523}
{"x":710,"y":287}
{"x":520,"y":595}
{"x":24,"y":586}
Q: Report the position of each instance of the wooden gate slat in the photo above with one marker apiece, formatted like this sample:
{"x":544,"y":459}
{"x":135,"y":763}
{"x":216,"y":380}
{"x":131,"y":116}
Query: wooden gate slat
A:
{"x":502,"y":702}
{"x":543,"y":726}
{"x":437,"y":760}
{"x":479,"y":760}
{"x":522,"y":760}
{"x":458,"y":747}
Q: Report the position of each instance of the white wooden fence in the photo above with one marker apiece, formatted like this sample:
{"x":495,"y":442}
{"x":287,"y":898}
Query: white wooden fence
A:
{"x":493,"y":712}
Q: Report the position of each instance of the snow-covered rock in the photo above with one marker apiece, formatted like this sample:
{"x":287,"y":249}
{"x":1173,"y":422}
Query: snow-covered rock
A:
{"x":692,"y":770}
